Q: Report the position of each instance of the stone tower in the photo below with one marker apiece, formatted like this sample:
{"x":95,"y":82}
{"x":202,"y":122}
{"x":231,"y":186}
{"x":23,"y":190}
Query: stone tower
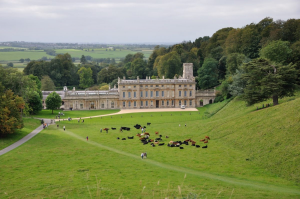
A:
{"x":188,"y":71}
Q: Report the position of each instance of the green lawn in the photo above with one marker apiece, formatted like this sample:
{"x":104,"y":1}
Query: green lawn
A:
{"x":30,"y":125}
{"x":63,"y":164}
{"x":72,"y":114}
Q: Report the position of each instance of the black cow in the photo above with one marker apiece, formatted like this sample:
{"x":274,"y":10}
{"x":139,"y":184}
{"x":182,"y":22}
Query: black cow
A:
{"x":118,"y":138}
{"x":197,"y":146}
{"x":160,"y":144}
{"x":128,"y":129}
{"x":123,"y":138}
{"x":130,"y":137}
{"x":181,"y":148}
{"x":148,"y":124}
{"x":112,"y":128}
{"x":204,"y":147}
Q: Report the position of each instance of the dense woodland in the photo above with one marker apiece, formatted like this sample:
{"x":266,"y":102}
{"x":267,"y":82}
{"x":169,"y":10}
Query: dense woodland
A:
{"x":258,"y":61}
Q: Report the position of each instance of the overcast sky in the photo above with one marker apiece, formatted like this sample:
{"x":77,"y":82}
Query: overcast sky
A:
{"x":132,"y":21}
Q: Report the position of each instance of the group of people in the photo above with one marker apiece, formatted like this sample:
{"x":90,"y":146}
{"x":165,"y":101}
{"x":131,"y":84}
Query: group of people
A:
{"x":144,"y":155}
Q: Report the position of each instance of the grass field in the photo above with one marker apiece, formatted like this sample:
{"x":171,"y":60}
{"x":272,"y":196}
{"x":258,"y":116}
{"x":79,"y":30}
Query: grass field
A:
{"x":30,"y":125}
{"x":63,"y":164}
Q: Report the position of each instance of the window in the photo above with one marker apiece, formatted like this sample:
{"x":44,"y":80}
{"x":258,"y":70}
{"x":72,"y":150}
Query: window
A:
{"x":129,"y":104}
{"x":167,"y":102}
{"x":179,"y":93}
{"x":102,"y":105}
{"x":134,"y":86}
{"x":157,"y":93}
{"x":146,"y":93}
{"x":179,"y":85}
{"x":112,"y":105}
{"x":179,"y":102}
{"x":123,"y":104}
{"x":191,"y":93}
{"x":151,"y":86}
{"x":134,"y":103}
{"x":151,"y":93}
{"x":191,"y":102}
{"x":185,"y":102}
{"x":190,"y":85}
{"x":162,"y":103}
{"x":123,"y":94}
{"x":92,"y":105}
{"x":146,"y":103}
{"x":157,"y":85}
{"x":146,"y":86}
{"x":184,"y":93}
{"x":151,"y":103}
{"x":184,"y":85}
{"x":141,"y":93}
{"x":129,"y":94}
{"x":172,"y":93}
{"x":141,"y":86}
{"x":81,"y":106}
{"x":163,"y":93}
{"x":134,"y":94}
{"x":162,"y":85}
{"x":123,"y":86}
{"x":172,"y":102}
{"x":141,"y":103}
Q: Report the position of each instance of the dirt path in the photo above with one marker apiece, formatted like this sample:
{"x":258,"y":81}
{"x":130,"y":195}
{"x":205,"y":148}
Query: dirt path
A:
{"x":245,"y":183}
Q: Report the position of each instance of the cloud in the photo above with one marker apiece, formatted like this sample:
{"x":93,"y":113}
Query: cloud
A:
{"x":133,"y":20}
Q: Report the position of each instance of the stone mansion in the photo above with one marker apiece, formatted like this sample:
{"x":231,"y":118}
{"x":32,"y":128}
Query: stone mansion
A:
{"x":140,"y":94}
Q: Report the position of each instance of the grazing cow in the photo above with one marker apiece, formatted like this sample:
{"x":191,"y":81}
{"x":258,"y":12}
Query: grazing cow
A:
{"x":123,"y":138}
{"x":197,"y":146}
{"x":188,"y":140}
{"x":160,"y":136}
{"x":148,"y":124}
{"x":204,"y":147}
{"x":139,"y":135}
{"x":193,"y":144}
{"x":106,"y":129}
{"x":112,"y":128}
{"x":207,"y":137}
{"x":156,"y":142}
{"x":172,"y":145}
{"x":130,"y":137}
{"x":205,"y":141}
{"x":144,"y":127}
{"x":118,"y":138}
{"x":157,"y":138}
{"x":186,"y":143}
{"x":156,"y":133}
{"x":142,"y":138}
{"x":128,"y":129}
{"x":247,"y":159}
{"x":147,"y":133}
{"x":202,"y":140}
{"x":167,"y":136}
{"x":181,"y":148}
{"x":160,"y":144}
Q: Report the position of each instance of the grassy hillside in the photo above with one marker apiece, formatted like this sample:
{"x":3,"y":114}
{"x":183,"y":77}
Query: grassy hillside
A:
{"x":58,"y":163}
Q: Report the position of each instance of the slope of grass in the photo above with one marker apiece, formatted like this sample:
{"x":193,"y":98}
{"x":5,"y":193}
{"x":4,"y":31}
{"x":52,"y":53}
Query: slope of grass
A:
{"x":58,"y":163}
{"x":29,"y":125}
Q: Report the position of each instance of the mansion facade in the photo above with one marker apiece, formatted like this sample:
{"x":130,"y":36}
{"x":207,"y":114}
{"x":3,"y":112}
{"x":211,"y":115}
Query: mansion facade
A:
{"x":140,"y":94}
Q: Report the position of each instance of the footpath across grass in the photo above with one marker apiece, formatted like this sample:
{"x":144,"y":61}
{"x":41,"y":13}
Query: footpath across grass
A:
{"x":29,"y":125}
{"x":72,"y":114}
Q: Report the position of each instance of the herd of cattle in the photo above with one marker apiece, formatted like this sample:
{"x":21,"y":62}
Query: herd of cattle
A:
{"x":144,"y":137}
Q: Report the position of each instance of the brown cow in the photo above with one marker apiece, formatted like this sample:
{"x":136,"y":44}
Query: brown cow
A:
{"x":207,"y":137}
{"x":156,"y":132}
{"x":206,"y":141}
{"x":202,"y":140}
{"x":147,"y":134}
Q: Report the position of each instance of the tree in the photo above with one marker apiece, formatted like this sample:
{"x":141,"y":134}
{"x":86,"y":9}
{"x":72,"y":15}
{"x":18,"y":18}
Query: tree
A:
{"x":207,"y":74}
{"x":21,"y":60}
{"x":10,"y":64}
{"x":277,"y":51}
{"x":10,"y":115}
{"x":85,"y":75}
{"x":47,"y":84}
{"x":233,"y":61}
{"x":83,"y":60}
{"x":265,"y":80}
{"x":53,"y":101}
{"x":35,"y":103}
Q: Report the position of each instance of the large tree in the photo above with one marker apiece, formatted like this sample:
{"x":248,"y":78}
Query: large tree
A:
{"x":10,"y":114}
{"x":47,"y":84}
{"x":53,"y":101}
{"x":35,"y":103}
{"x":207,"y":74}
{"x":277,"y":51}
{"x":266,"y":80}
{"x":85,"y":75}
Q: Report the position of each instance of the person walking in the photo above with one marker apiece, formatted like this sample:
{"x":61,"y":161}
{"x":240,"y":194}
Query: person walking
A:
{"x":64,"y":128}
{"x":142,"y":155}
{"x":87,"y":138}
{"x":145,"y":155}
{"x":100,"y":130}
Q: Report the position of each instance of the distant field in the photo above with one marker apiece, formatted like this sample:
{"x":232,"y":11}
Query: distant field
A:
{"x":17,"y":55}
